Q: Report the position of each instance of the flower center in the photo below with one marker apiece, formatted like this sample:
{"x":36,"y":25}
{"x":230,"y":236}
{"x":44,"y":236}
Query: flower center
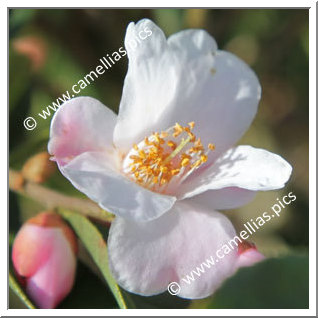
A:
{"x":165,"y":159}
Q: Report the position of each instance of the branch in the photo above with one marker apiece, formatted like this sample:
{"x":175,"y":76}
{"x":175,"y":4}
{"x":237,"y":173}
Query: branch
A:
{"x":52,"y":199}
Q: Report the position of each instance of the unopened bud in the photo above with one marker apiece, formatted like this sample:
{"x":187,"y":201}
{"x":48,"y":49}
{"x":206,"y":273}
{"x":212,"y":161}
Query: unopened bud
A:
{"x":44,"y":254}
{"x":16,"y":180}
{"x":38,"y":168}
{"x":32,"y":47}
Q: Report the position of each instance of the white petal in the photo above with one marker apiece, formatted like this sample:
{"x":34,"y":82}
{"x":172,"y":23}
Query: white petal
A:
{"x":81,"y":124}
{"x":224,"y":199}
{"x":94,"y":175}
{"x":244,"y":167}
{"x":145,"y":95}
{"x":146,"y":257}
{"x":172,"y":81}
{"x":192,"y":43}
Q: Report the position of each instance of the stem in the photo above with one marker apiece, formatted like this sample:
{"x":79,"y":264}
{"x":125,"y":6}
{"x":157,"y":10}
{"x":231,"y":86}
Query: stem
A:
{"x":52,"y":199}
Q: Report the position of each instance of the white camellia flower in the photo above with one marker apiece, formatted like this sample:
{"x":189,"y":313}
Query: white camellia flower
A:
{"x":167,"y":162}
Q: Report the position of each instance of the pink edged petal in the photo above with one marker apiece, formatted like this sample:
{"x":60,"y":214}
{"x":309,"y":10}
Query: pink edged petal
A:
{"x":146,"y":257}
{"x":248,"y":255}
{"x":81,"y":124}
{"x":245,"y":167}
{"x":249,"y":258}
{"x":54,"y":279}
{"x":92,"y":174}
{"x":226,"y":198}
{"x":31,"y":248}
{"x":185,"y":79}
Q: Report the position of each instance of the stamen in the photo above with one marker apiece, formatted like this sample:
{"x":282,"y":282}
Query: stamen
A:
{"x":172,"y":144}
{"x":142,"y":154}
{"x":211,"y":146}
{"x":146,"y":141}
{"x":164,"y":160}
{"x":175,"y":172}
{"x":178,"y":129}
{"x":196,"y":164}
{"x":164,"y":134}
{"x":185,"y":162}
{"x":135,"y":147}
{"x":204,"y":158}
{"x":133,"y":157}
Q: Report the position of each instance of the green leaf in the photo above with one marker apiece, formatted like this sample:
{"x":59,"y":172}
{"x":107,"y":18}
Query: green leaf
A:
{"x":88,"y":292}
{"x":19,"y":292}
{"x":20,"y":18}
{"x":96,"y":246}
{"x":274,"y":283}
{"x":20,"y":77}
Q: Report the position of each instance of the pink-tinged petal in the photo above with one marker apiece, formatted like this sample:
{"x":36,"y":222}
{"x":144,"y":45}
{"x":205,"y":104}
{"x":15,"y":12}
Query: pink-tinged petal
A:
{"x":146,"y":257}
{"x":31,"y":249}
{"x":44,"y":258}
{"x":248,"y":255}
{"x":185,"y":79}
{"x":81,"y":124}
{"x":245,"y":167}
{"x":92,"y":174}
{"x":49,"y":219}
{"x":224,"y":199}
{"x":53,"y":279}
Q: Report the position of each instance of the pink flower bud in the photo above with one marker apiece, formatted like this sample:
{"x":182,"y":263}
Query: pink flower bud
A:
{"x":38,"y":168}
{"x":248,"y":254}
{"x":44,"y":254}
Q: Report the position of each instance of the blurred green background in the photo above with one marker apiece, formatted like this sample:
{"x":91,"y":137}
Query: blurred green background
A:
{"x":50,"y":50}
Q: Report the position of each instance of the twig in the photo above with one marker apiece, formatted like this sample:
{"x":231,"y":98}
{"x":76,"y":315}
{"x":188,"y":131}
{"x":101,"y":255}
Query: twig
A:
{"x":52,"y":199}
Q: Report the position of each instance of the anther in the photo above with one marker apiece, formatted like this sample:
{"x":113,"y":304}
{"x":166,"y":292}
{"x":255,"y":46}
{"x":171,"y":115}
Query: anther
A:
{"x":172,"y":144}
{"x":178,"y":129}
{"x":146,"y":140}
{"x":211,"y":146}
{"x":204,"y":158}
{"x":175,"y":172}
{"x":135,"y":147}
{"x":165,"y":158}
{"x":185,"y":162}
{"x":142,"y":154}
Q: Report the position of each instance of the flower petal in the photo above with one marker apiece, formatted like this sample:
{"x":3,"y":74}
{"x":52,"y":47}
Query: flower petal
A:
{"x":181,"y":80}
{"x":146,"y":257}
{"x":249,"y":258}
{"x":81,"y":124}
{"x":244,"y":167}
{"x":31,"y":249}
{"x":248,"y":255}
{"x":93,"y":174}
{"x":55,"y":278}
{"x":226,"y":198}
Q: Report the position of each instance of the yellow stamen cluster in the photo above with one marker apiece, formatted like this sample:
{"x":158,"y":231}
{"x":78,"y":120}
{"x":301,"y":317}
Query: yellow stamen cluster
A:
{"x":162,"y":156}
